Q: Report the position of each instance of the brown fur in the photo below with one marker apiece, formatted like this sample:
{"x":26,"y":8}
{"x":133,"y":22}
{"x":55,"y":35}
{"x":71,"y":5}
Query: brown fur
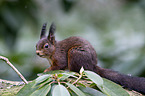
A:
{"x":75,"y":52}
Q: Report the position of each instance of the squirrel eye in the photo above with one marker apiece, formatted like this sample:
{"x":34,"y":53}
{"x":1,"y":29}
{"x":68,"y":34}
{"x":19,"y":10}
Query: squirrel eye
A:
{"x":46,"y":45}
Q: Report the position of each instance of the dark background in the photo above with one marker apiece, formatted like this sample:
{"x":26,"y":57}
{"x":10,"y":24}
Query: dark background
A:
{"x":116,"y":29}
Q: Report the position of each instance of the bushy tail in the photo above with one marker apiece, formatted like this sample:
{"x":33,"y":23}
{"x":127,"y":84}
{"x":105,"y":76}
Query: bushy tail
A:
{"x":130,"y":82}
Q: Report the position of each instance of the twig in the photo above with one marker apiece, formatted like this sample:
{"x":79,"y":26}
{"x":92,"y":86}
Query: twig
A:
{"x":77,"y":79}
{"x":13,"y":67}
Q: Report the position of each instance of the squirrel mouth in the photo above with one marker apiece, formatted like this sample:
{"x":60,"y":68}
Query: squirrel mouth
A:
{"x":43,"y":56}
{"x":40,"y":53}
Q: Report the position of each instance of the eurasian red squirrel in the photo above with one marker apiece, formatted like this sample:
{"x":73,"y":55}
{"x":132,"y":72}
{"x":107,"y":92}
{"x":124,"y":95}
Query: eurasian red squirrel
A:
{"x":75,"y":52}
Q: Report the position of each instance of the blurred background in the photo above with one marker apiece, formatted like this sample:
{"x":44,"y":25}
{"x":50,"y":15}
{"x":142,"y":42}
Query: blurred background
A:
{"x":115,"y":28}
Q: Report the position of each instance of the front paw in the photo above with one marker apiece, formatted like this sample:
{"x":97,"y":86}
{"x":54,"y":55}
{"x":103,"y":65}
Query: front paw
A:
{"x":48,"y":69}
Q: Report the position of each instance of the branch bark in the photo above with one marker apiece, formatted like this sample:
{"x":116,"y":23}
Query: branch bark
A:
{"x":14,"y":68}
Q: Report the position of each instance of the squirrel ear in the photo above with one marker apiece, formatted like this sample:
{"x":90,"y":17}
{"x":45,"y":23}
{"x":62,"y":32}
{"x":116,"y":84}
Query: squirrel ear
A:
{"x":43,"y":30}
{"x":51,"y":36}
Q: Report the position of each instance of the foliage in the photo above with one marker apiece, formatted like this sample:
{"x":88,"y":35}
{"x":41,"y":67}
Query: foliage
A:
{"x":10,"y":88}
{"x":115,"y":29}
{"x":13,"y":14}
{"x":62,"y":83}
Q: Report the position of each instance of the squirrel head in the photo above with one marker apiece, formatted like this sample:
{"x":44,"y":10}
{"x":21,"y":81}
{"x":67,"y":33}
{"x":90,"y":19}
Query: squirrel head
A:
{"x":46,"y":45}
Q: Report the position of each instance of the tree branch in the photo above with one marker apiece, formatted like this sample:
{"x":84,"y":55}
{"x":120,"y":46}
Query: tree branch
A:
{"x":13,"y":67}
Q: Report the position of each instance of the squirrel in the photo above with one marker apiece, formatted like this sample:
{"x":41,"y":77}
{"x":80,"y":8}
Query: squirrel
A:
{"x":74,"y":52}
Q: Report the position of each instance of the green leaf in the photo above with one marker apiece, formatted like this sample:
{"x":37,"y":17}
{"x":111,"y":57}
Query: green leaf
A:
{"x":52,"y":87}
{"x":60,"y":90}
{"x":72,"y":93}
{"x":60,"y":75}
{"x":92,"y":85}
{"x":54,"y":72}
{"x":27,"y":89}
{"x":91,"y":91}
{"x":113,"y":89}
{"x":42,"y":91}
{"x":42,"y":78}
{"x":67,"y":75}
{"x":70,"y":73}
{"x":47,"y":81}
{"x":81,"y":84}
{"x":94,"y":77}
{"x":76,"y":90}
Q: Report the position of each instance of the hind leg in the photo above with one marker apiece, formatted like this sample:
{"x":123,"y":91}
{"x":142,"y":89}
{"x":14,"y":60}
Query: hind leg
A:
{"x":78,"y":57}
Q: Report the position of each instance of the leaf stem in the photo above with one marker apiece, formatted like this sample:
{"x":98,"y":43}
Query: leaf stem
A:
{"x":80,"y":76}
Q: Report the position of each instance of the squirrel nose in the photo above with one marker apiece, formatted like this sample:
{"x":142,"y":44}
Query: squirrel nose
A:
{"x":37,"y":53}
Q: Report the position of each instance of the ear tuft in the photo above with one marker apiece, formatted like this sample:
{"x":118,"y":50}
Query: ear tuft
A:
{"x":52,"y":29}
{"x":51,"y":36}
{"x":43,"y":30}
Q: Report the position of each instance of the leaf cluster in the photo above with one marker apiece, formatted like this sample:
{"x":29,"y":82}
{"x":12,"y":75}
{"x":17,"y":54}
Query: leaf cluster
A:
{"x":62,"y":83}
